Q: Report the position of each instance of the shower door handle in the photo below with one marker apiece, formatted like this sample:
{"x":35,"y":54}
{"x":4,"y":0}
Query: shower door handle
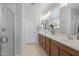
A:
{"x":4,"y":39}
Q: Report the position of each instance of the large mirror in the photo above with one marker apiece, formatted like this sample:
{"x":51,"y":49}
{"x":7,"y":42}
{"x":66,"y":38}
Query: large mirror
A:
{"x":55,"y":17}
{"x":69,"y":19}
{"x":66,"y":19}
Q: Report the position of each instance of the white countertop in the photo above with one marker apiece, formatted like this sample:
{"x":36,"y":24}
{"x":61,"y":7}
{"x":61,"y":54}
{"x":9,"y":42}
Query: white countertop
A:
{"x":74,"y":44}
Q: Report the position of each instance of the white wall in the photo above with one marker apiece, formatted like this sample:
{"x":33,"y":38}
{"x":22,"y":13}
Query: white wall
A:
{"x":0,"y":25}
{"x":17,"y":10}
{"x":18,"y":30}
{"x":30,"y":23}
{"x":0,"y":18}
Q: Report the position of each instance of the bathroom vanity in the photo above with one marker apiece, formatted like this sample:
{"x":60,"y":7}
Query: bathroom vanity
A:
{"x":56,"y":45}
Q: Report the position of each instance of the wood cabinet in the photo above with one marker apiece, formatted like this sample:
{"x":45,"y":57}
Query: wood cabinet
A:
{"x":48,"y":46}
{"x":44,"y":42}
{"x":63,"y":50}
{"x":39,"y":39}
{"x":64,"y":53}
{"x":54,"y":48}
{"x":41,"y":36}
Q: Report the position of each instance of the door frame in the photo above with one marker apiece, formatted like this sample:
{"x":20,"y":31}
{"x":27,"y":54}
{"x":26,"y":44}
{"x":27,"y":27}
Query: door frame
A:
{"x":3,"y":6}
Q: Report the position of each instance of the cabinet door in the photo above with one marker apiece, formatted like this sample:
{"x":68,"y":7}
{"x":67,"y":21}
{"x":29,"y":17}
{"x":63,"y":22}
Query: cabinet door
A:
{"x":64,"y":53}
{"x":39,"y":39}
{"x":54,"y":50}
{"x":44,"y":42}
{"x":48,"y":47}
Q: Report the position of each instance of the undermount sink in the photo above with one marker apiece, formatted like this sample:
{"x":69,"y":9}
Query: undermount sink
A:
{"x":46,"y":31}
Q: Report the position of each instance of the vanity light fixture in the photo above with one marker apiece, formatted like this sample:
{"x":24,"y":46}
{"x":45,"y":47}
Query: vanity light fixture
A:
{"x":46,"y":15}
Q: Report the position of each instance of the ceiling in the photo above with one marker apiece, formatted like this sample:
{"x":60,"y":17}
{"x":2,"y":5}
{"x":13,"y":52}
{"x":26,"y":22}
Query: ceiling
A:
{"x":41,"y":7}
{"x":35,"y":10}
{"x":73,"y":5}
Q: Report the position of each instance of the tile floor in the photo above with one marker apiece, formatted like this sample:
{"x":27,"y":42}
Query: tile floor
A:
{"x":33,"y":50}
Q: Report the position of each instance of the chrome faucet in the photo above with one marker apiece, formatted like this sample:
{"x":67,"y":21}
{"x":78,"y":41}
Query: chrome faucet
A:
{"x":52,"y":29}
